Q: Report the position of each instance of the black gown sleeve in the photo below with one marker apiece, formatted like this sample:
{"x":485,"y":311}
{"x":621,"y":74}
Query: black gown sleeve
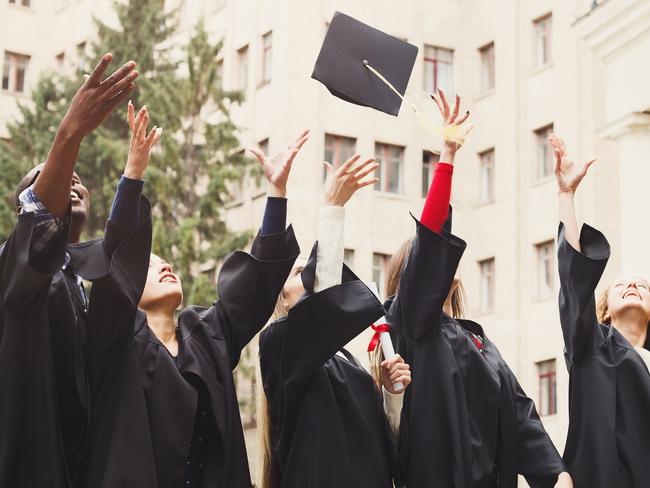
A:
{"x":248,"y":286}
{"x":117,"y":265}
{"x":425,"y":281}
{"x":322,"y":323}
{"x":23,"y":276}
{"x":537,"y":458}
{"x":580,"y":273}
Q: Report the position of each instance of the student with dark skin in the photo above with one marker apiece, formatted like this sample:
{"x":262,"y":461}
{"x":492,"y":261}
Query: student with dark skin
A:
{"x":43,"y":305}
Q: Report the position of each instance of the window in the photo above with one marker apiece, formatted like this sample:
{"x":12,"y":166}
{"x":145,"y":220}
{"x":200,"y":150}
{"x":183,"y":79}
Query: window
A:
{"x":379,"y":267}
{"x":429,"y":161}
{"x":542,"y":28}
{"x":438,"y":69}
{"x":267,"y":57}
{"x":220,"y":73}
{"x":348,"y":257}
{"x":487,"y":284}
{"x":60,"y":59}
{"x":81,"y":56}
{"x":487,"y":68}
{"x":338,"y":150}
{"x":264,"y":146}
{"x":545,"y":252}
{"x":389,"y":172}
{"x":14,"y":71}
{"x":242,"y":68}
{"x":486,"y":192}
{"x":544,"y":152}
{"x":546,"y":373}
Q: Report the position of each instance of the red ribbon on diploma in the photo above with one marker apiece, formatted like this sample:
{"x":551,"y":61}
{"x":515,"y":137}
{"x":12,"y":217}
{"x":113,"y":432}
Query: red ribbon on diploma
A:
{"x":375,"y":338}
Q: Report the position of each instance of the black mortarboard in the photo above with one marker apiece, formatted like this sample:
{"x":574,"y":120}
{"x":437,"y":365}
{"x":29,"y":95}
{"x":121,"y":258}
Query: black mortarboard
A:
{"x":340,"y":64}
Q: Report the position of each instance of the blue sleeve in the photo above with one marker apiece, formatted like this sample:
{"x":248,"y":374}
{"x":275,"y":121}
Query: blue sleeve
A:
{"x":126,"y":205}
{"x":275,"y":216}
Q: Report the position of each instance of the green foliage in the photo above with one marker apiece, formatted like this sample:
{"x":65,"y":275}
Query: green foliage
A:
{"x":187,"y":180}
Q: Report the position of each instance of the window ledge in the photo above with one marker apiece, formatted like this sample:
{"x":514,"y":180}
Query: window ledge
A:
{"x":542,"y":181}
{"x":484,"y":204}
{"x":391,"y":196}
{"x":262,"y":84}
{"x":14,"y":94}
{"x":486,"y":94}
{"x":234,"y":204}
{"x":24,"y":8}
{"x":540,"y":69}
{"x":258,"y":194}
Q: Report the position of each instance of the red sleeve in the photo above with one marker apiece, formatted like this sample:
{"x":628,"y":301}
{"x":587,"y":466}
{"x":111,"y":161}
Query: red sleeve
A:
{"x":436,"y":206}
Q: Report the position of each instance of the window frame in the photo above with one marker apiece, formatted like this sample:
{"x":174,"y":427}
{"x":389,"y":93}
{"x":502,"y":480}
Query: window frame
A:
{"x":488,"y":52}
{"x":382,"y":171}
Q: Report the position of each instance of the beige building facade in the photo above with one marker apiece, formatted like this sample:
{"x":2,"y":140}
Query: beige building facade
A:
{"x":523,"y":68}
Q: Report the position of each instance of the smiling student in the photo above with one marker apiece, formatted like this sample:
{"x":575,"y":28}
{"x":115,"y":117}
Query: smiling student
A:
{"x":165,"y":412}
{"x":607,"y":351}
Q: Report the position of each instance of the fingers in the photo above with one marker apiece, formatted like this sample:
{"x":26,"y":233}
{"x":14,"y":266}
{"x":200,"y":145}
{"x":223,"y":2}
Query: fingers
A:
{"x":120,"y":85}
{"x":153,"y":137}
{"x":364,"y":169}
{"x":462,"y":119}
{"x":130,"y":115}
{"x":302,"y":138}
{"x":362,"y":184}
{"x":118,"y":75}
{"x":445,"y":105}
{"x":434,"y":97}
{"x":141,"y":122}
{"x":96,"y":76}
{"x":345,"y":167}
{"x":328,"y":167}
{"x":589,"y":163}
{"x":558,"y":160}
{"x":259,"y":155}
{"x":120,"y":97}
{"x":454,"y":114}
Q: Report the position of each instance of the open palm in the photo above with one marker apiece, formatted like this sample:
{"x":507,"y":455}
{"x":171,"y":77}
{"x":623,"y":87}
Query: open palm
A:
{"x":567,"y":173}
{"x":277,"y":168}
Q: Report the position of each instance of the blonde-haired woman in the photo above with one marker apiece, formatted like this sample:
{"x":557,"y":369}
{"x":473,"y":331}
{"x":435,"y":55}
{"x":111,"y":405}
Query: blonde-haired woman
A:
{"x":466,"y":422}
{"x":608,"y":443}
{"x":326,"y":425}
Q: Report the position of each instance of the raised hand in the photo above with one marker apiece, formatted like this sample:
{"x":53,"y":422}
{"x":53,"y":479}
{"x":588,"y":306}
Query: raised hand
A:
{"x":96,"y":99}
{"x":343,"y":181}
{"x":564,"y":481}
{"x":277,"y":168}
{"x":141,"y":143}
{"x":395,"y":370}
{"x":452,"y":123}
{"x":567,"y":173}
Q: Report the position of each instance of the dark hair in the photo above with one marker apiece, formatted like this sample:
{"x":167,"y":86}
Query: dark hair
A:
{"x":28,"y":180}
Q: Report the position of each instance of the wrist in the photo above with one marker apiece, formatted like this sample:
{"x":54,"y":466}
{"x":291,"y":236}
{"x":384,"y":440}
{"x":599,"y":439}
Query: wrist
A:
{"x":277,"y":192}
{"x":66,"y":133}
{"x":133,"y":174}
{"x":447,"y":155}
{"x":568,"y":193}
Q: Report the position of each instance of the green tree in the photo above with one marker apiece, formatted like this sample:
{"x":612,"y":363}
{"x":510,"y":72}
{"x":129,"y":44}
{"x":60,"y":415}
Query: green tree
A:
{"x":188,"y":180}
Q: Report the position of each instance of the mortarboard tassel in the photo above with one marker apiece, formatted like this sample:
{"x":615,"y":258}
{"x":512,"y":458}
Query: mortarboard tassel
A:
{"x":452,"y":133}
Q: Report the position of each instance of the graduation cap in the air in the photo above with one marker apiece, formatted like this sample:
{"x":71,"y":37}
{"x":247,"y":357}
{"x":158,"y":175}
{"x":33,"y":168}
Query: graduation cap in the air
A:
{"x":349,"y":48}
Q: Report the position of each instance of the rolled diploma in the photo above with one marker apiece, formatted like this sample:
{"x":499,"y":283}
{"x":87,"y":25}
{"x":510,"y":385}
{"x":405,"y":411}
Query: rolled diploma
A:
{"x":384,"y":338}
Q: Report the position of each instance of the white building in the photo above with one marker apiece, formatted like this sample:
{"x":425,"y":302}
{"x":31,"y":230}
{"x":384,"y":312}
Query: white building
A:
{"x":523,"y":68}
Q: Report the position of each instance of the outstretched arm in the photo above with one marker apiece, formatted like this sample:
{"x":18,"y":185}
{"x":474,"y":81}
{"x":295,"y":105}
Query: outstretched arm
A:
{"x":92,"y":103}
{"x":568,"y":175}
{"x":436,"y":205}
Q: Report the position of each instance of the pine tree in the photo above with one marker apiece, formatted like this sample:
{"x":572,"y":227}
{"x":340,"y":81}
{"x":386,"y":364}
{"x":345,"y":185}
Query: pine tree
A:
{"x":188,"y":178}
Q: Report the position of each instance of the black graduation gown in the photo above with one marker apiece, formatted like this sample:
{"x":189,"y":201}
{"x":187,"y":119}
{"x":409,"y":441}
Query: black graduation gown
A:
{"x":144,"y":400}
{"x":328,"y":424}
{"x":608,"y":443}
{"x":43,"y":377}
{"x":466,"y":422}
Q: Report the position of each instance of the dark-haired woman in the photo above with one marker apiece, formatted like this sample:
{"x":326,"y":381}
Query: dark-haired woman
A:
{"x":324,"y":420}
{"x":165,"y":411}
{"x":466,"y":422}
